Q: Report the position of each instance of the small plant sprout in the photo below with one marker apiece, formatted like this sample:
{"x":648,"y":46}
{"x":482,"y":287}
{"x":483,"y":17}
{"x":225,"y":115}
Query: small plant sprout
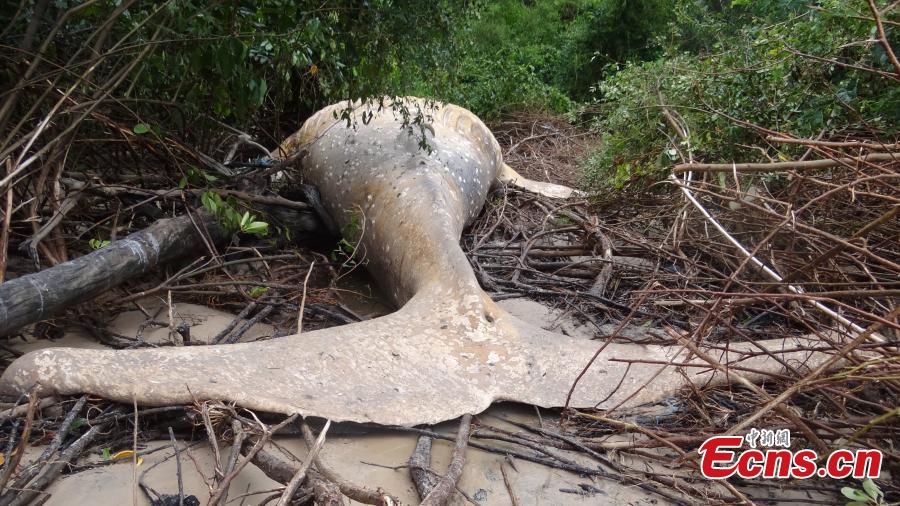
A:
{"x":258,"y":291}
{"x":196,"y":177}
{"x":98,"y":243}
{"x":250,"y":226}
{"x":869,"y":495}
{"x":230,"y":218}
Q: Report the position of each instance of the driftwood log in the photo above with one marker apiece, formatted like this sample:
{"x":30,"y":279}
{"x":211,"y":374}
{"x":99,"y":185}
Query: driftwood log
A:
{"x":35,"y":297}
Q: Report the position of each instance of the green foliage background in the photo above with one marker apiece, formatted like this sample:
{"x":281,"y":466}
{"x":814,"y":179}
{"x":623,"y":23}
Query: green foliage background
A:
{"x":748,"y":68}
{"x":612,"y":63}
{"x":235,"y":59}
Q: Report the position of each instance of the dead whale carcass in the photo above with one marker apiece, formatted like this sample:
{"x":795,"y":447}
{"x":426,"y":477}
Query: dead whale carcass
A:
{"x":447,"y":351}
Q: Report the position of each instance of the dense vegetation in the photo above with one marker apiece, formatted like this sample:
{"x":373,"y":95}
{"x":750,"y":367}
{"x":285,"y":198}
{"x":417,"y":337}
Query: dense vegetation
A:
{"x":760,"y":63}
{"x":779,"y":64}
{"x":263,"y":66}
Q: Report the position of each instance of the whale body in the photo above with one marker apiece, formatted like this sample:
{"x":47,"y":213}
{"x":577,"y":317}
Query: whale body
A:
{"x":448,"y":350}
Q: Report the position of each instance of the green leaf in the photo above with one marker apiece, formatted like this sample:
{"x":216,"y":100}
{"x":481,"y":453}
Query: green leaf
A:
{"x":256,"y":291}
{"x":209,"y":202}
{"x":256,"y":227}
{"x":232,"y":218}
{"x":98,"y":243}
{"x":854,"y":494}
{"x":141,"y":128}
{"x":261,"y":91}
{"x":872,"y":489}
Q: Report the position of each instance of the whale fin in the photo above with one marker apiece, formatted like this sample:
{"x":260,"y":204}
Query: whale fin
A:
{"x":509,"y":176}
{"x":426,"y":363}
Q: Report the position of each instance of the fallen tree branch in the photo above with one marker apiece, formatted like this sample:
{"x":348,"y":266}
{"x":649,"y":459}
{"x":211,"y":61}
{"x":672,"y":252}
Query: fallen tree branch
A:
{"x":36,"y":487}
{"x":441,"y":493}
{"x":217,"y":494}
{"x":326,"y":493}
{"x":300,"y":475}
{"x":681,"y":168}
{"x":18,"y":411}
{"x":512,"y":495}
{"x":777,"y":401}
{"x":5,"y":225}
{"x":834,"y":144}
{"x":357,"y":493}
{"x":236,"y":446}
{"x":30,"y":245}
{"x":46,"y":293}
{"x":780,"y":408}
{"x":16,"y":457}
{"x":855,"y":328}
{"x":420,"y":465}
{"x":34,"y":467}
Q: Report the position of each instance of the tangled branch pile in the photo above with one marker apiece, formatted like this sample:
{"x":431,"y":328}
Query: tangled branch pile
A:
{"x":721,"y":253}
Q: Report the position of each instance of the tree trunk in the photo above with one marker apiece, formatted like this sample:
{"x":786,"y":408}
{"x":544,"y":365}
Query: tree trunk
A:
{"x":35,"y":297}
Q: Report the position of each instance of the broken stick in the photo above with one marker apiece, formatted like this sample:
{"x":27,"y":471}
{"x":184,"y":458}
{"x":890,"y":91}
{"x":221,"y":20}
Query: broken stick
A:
{"x":441,"y":493}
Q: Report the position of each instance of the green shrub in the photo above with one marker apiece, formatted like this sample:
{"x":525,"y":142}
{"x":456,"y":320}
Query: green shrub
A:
{"x":750,"y":74}
{"x":511,"y":55}
{"x":231,"y":59}
{"x":607,"y":33}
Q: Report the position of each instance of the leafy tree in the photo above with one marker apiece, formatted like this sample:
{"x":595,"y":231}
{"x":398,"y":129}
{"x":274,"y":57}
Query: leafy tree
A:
{"x":230,"y":59}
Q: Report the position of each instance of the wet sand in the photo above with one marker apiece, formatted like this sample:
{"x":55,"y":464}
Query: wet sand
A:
{"x":353,"y":457}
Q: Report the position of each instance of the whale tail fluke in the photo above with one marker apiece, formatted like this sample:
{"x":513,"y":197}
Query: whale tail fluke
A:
{"x":426,"y":363}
